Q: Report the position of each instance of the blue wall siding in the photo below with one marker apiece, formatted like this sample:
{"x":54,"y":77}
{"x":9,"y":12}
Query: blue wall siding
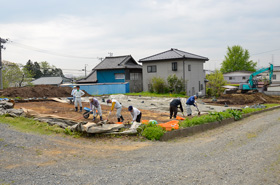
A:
{"x":99,"y":89}
{"x":108,"y":76}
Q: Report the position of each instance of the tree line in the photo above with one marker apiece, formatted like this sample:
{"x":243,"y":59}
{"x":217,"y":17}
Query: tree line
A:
{"x":17,"y":75}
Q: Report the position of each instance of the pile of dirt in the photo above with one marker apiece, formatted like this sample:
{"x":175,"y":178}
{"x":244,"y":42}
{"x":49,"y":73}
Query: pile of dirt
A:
{"x":38,"y":91}
{"x":243,"y":99}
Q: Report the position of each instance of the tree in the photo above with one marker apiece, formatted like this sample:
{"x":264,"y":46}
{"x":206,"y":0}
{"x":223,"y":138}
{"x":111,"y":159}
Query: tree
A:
{"x":48,"y":70}
{"x":40,"y":69}
{"x":13,"y":76}
{"x":237,"y":59}
{"x":33,"y":69}
{"x":215,"y":83}
{"x":175,"y":84}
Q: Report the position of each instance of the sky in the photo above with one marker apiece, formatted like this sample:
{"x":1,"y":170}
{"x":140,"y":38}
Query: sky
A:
{"x":76,"y":34}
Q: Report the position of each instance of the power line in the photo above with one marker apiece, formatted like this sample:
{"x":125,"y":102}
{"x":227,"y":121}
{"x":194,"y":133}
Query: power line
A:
{"x":48,"y":52}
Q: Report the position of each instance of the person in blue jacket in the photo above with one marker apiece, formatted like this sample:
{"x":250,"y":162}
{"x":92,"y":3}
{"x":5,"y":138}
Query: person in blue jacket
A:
{"x":191,"y":101}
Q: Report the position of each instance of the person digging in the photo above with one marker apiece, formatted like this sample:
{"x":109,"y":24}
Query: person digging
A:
{"x":174,"y":107}
{"x":78,"y":98}
{"x":94,"y":105}
{"x":135,"y":114}
{"x":118,"y":106}
{"x":191,"y":101}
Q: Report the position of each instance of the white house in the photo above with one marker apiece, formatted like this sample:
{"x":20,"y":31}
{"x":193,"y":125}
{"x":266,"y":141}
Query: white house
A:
{"x":184,"y":65}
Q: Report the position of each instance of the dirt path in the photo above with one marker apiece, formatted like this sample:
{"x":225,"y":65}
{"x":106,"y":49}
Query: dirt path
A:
{"x":245,"y":152}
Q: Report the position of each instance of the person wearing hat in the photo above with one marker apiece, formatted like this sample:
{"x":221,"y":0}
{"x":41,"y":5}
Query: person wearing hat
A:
{"x":78,"y":98}
{"x":95,"y":105}
{"x":191,"y":101}
{"x":174,"y":107}
{"x":135,"y":113}
{"x":72,"y":93}
{"x":118,"y":106}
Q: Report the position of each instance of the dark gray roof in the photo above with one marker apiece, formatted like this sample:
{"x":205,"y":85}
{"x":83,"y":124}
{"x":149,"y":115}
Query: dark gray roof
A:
{"x":173,"y":54}
{"x":91,"y":78}
{"x":118,"y":62}
{"x":48,"y":81}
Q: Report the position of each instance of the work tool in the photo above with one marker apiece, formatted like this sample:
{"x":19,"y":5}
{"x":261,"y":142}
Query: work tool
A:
{"x":198,"y":110}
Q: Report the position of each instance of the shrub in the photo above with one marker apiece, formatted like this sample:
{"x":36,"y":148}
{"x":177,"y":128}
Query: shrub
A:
{"x":152,"y":131}
{"x":158,"y":85}
{"x":175,"y":84}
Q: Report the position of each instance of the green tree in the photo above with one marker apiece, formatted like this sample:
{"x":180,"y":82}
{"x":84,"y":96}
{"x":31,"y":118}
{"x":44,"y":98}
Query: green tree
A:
{"x":237,"y":59}
{"x":13,"y":75}
{"x":215,"y":83}
{"x":48,"y":70}
{"x":33,"y":69}
{"x":175,"y":84}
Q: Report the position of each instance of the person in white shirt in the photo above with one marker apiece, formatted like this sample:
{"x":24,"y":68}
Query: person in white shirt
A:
{"x":72,"y":93}
{"x":118,"y":106}
{"x":78,"y":98}
{"x":135,"y":113}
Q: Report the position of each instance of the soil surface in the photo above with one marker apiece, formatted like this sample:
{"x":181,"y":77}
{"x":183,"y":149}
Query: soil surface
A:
{"x":38,"y":91}
{"x":244,"y":99}
{"x":244,"y":152}
{"x":67,"y":111}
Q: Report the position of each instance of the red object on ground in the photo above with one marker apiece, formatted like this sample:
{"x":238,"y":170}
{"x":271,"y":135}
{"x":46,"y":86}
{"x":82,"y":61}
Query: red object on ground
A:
{"x":180,"y":118}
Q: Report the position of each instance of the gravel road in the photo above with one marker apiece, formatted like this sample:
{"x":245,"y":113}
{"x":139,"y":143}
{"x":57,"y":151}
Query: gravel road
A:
{"x":244,"y":152}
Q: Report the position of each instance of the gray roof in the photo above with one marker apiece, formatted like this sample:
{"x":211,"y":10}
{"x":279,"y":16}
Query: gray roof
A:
{"x":49,"y":81}
{"x":173,"y":54}
{"x":92,"y":77}
{"x":118,"y":62}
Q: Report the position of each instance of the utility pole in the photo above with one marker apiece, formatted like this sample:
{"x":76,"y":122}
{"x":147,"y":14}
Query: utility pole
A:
{"x":110,"y":54}
{"x":1,"y":47}
{"x":85,"y":70}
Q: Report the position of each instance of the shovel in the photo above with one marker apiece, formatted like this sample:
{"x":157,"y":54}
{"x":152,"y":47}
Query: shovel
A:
{"x":198,"y":110}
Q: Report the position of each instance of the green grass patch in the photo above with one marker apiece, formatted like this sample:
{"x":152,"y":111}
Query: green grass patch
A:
{"x":30,"y":125}
{"x":156,"y":95}
{"x":271,"y":105}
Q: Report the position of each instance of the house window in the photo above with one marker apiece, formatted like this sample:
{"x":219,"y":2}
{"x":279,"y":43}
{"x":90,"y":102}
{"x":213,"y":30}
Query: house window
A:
{"x":152,"y":69}
{"x":119,"y":76}
{"x":135,"y":76}
{"x":174,"y":66}
{"x":274,"y":77}
{"x":189,"y":67}
{"x":244,"y":78}
{"x":201,"y":87}
{"x":231,"y":78}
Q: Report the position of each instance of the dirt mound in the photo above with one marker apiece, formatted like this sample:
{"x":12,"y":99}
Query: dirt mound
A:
{"x":242,"y":99}
{"x":38,"y":91}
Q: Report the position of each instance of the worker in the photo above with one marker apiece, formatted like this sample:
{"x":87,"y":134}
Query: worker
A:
{"x":95,"y":105}
{"x":174,"y":107}
{"x":72,"y":93}
{"x":135,"y":113}
{"x":78,"y":98}
{"x":118,"y":106}
{"x":191,"y":101}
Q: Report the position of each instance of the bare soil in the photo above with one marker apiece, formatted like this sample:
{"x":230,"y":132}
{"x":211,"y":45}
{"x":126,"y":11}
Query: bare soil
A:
{"x":244,"y":99}
{"x":67,"y":111}
{"x":38,"y":91}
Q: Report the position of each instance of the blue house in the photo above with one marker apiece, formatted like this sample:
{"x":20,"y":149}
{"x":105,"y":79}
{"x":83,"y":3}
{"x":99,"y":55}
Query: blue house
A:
{"x":117,"y":70}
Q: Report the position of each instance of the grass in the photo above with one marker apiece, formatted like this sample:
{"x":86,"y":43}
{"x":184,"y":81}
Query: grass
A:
{"x":155,"y":94}
{"x":30,"y":125}
{"x":271,"y":105}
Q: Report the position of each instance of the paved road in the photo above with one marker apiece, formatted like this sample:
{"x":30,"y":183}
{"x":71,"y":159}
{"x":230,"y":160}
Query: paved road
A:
{"x":245,"y":152}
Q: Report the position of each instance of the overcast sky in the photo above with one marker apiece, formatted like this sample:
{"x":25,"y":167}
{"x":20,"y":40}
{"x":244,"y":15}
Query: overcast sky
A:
{"x":71,"y":34}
